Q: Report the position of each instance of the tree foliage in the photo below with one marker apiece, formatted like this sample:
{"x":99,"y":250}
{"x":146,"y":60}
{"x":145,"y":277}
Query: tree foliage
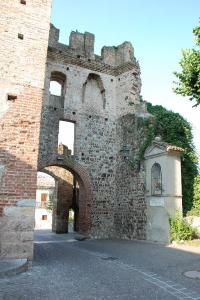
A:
{"x":50,"y":202}
{"x":189,"y":78}
{"x":196,"y":198}
{"x":174,"y":129}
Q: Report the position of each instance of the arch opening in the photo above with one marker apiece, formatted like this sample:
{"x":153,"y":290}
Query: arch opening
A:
{"x":45,"y":194}
{"x":71,"y":201}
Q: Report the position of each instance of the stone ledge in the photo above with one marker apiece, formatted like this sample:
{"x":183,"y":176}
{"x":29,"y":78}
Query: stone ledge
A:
{"x":11,"y":267}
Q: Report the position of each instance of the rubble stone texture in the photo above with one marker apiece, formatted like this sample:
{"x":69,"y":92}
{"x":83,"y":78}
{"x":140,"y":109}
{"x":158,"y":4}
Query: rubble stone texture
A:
{"x":100,"y":94}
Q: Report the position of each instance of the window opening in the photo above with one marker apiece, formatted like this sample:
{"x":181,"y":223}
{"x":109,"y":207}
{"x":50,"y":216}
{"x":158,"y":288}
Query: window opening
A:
{"x":55,"y":88}
{"x":66,"y":136}
{"x":71,"y":220}
{"x":11,"y":97}
{"x":44,"y":197}
{"x":20,"y":36}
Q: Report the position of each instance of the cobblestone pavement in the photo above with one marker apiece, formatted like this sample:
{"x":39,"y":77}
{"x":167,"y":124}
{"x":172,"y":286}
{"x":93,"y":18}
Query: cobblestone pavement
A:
{"x":64,"y":268}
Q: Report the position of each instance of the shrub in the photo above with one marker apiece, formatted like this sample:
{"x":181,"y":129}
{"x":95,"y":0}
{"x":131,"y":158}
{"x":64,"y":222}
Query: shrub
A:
{"x":180,"y":229}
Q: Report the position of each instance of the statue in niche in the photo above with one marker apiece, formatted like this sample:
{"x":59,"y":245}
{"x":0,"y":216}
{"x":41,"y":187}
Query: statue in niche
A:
{"x":156,"y":180}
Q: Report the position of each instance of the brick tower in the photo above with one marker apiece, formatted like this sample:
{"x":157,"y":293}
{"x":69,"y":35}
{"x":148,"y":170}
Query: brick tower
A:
{"x":23,"y":47}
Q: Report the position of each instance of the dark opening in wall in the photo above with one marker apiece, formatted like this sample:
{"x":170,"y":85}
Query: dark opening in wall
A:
{"x":44,"y":217}
{"x":23,"y":2}
{"x":11,"y":97}
{"x":66,"y":135}
{"x":20,"y":36}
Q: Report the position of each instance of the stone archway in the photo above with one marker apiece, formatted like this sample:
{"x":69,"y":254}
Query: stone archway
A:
{"x":85,"y":190}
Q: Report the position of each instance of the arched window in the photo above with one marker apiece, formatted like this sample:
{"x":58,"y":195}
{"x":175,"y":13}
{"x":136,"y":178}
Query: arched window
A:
{"x":156,"y":179}
{"x":57,"y":88}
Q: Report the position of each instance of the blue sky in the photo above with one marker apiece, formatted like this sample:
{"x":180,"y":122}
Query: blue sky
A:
{"x":158,"y":31}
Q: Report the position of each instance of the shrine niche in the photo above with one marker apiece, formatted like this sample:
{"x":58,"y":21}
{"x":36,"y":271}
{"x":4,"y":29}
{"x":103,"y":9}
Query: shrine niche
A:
{"x":156,"y":180}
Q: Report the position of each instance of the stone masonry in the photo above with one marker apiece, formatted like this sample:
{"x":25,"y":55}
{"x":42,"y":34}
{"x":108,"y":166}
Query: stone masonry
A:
{"x":100,"y":95}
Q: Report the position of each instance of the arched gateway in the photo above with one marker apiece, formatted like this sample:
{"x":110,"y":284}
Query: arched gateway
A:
{"x":83,"y":213}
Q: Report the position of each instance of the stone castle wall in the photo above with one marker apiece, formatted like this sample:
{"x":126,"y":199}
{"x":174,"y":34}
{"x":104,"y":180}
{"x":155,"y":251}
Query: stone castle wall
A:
{"x":97,"y":93}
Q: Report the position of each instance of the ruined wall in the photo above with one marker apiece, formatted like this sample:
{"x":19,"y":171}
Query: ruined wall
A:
{"x":97,"y":93}
{"x":23,"y":47}
{"x":130,"y":208}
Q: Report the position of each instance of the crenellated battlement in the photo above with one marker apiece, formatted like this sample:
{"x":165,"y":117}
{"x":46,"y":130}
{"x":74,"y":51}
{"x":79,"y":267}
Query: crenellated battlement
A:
{"x":82,"y":43}
{"x":116,"y":56}
{"x":81,"y":46}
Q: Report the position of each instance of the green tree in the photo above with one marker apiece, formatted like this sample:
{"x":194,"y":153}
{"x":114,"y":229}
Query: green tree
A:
{"x":188,"y":83}
{"x":196,"y":198}
{"x":50,"y":202}
{"x":174,"y":129}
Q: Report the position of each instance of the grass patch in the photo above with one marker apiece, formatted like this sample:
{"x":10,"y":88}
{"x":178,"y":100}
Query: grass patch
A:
{"x":195,"y":243}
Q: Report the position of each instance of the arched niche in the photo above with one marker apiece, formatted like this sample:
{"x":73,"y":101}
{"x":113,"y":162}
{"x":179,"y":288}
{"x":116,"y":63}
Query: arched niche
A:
{"x":156,"y":179}
{"x":92,"y":77}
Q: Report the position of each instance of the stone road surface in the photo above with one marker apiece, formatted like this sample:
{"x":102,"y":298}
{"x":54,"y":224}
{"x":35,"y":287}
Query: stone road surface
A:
{"x":64,"y":268}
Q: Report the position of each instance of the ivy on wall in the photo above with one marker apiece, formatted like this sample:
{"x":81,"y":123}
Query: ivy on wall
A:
{"x":196,"y":197}
{"x":174,"y":129}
